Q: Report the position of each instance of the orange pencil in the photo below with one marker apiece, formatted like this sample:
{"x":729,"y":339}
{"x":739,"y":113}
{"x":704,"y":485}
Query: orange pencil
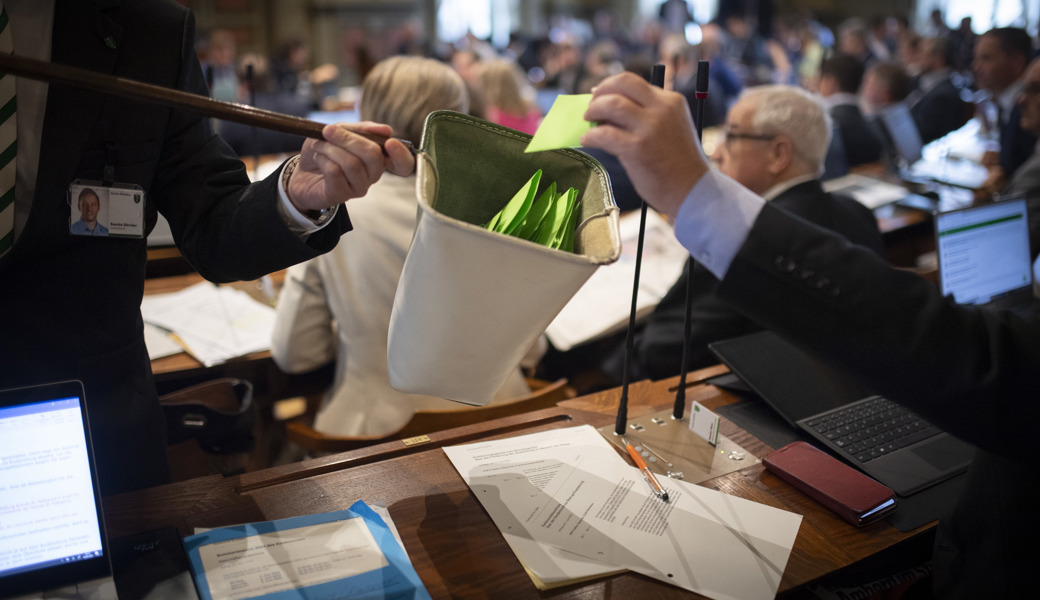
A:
{"x":651,"y":479}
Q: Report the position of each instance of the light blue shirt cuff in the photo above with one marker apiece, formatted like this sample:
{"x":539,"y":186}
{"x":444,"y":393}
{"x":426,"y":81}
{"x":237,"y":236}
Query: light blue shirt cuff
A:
{"x":715,"y":219}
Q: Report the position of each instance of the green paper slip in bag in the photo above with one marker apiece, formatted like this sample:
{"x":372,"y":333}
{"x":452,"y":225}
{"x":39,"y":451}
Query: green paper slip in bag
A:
{"x":470,"y":302}
{"x":552,"y":225}
{"x":512,"y":215}
{"x":537,"y":213}
{"x":565,"y":237}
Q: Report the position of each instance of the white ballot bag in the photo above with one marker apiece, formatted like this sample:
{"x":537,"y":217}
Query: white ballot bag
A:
{"x":470,"y":302}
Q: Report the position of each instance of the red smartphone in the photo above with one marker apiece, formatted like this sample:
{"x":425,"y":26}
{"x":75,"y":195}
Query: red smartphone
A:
{"x":853,"y":496}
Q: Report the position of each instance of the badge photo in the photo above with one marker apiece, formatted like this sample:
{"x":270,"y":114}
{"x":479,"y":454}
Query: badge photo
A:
{"x":89,"y":210}
{"x":106,"y":210}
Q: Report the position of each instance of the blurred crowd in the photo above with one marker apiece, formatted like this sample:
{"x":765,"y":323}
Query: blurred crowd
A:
{"x":868,"y":64}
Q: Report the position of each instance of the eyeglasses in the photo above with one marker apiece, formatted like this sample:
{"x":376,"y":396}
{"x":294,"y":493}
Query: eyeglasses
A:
{"x":728,"y":135}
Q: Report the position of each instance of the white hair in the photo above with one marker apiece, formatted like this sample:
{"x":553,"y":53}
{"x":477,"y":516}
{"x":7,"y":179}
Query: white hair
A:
{"x":795,"y":113}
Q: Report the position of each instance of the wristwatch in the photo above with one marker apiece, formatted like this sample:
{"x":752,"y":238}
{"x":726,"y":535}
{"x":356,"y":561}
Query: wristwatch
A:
{"x":319,"y":217}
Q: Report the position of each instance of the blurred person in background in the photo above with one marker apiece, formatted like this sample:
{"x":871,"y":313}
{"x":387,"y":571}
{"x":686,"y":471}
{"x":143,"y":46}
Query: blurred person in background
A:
{"x":565,"y":65}
{"x":936,"y":104}
{"x":840,"y":78}
{"x":256,"y":89}
{"x":219,"y":66}
{"x":680,"y":59}
{"x":466,"y":63}
{"x":509,"y":99}
{"x":1000,"y":60}
{"x":291,"y":72}
{"x":601,"y":61}
{"x":853,"y":39}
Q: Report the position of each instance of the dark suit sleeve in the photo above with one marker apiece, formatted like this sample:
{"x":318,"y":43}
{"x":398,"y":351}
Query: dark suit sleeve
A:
{"x":975,"y":372}
{"x":659,"y":344}
{"x":227,"y":228}
{"x":1016,"y":144}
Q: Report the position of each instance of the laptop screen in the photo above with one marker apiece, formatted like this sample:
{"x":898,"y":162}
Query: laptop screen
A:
{"x":902,"y":130}
{"x":52,"y":530}
{"x":984,"y":251}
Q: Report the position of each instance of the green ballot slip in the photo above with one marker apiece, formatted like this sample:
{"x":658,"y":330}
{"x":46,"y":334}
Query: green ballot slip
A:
{"x":566,"y":236}
{"x":537,"y":213}
{"x":553,"y":222}
{"x":564,"y":125}
{"x":512,"y":215}
{"x":550,"y":220}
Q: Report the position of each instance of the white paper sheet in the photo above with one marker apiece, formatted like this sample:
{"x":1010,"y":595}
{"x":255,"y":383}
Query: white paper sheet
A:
{"x":215,"y":323}
{"x":576,"y":498}
{"x":246,"y":567}
{"x":159,"y":343}
{"x":868,"y":191}
{"x":548,"y":563}
{"x":603,"y":304}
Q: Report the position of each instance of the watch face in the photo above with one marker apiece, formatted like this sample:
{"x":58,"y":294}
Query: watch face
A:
{"x":322,"y":216}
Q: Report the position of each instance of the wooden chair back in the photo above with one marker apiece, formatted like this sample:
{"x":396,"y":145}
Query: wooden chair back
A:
{"x":543,"y":395}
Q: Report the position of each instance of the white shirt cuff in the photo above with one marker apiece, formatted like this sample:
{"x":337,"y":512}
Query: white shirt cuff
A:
{"x":297,"y":222}
{"x":715,"y":219}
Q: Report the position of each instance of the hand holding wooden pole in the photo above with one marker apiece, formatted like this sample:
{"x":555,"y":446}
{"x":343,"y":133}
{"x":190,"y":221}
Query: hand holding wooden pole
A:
{"x":208,"y":107}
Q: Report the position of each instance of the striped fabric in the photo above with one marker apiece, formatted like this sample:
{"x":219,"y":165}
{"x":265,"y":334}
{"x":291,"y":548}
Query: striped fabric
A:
{"x":8,"y":133}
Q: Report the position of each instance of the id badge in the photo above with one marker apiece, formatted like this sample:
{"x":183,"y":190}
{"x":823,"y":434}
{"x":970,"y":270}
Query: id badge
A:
{"x":115,"y":210}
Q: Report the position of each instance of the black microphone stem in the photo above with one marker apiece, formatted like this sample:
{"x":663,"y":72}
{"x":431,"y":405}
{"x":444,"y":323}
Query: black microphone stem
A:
{"x":700,"y":95}
{"x":657,"y":79}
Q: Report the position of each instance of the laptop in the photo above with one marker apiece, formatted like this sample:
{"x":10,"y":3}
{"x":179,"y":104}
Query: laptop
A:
{"x":901,"y":133}
{"x":53,"y":533}
{"x":886,"y":441}
{"x":983,"y":254}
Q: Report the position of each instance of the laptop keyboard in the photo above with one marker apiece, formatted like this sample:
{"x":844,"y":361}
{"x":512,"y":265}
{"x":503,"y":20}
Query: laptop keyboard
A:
{"x":871,"y":428}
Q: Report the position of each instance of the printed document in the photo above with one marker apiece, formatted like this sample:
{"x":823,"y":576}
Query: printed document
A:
{"x":215,"y":323}
{"x":549,"y":565}
{"x":576,"y":498}
{"x":344,"y":554}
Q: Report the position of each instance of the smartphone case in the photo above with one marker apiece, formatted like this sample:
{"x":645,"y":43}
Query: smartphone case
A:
{"x":844,"y":490}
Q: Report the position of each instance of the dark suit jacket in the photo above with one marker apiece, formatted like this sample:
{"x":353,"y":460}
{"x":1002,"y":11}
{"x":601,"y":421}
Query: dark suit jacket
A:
{"x":254,"y":141}
{"x":659,"y":342}
{"x":975,"y":372}
{"x":1027,"y":181}
{"x":939,"y":111}
{"x":72,"y":304}
{"x":862,"y":144}
{"x":1016,"y":144}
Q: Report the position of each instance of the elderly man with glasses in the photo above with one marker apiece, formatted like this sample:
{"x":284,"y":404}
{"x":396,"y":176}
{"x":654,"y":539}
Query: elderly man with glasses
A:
{"x":774,"y":142}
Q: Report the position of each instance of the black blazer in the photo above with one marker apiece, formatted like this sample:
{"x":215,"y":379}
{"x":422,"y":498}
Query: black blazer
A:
{"x":658,"y":343}
{"x":973,"y":371}
{"x":1016,"y":144}
{"x":862,"y":145}
{"x":939,"y":111}
{"x":73,"y":303}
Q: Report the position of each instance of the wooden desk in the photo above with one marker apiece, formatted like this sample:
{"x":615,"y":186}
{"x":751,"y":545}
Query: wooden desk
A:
{"x":454,"y":545}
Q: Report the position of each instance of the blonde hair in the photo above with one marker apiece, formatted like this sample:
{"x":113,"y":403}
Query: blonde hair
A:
{"x":402,"y":90}
{"x":504,"y":87}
